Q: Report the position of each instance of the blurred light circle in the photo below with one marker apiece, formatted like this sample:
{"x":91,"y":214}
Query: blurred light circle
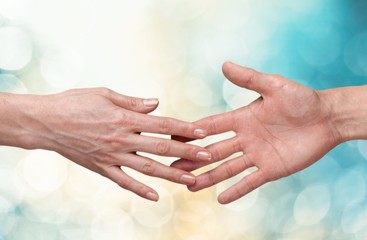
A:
{"x":354,"y":218}
{"x":15,"y":49}
{"x":150,"y":214}
{"x":244,"y":221}
{"x":2,"y":21}
{"x":351,"y":185}
{"x":45,"y":171}
{"x":237,"y":97}
{"x":312,"y":204}
{"x":112,"y":224}
{"x":117,"y":197}
{"x":14,"y":9}
{"x":362,"y":148}
{"x":232,"y":17}
{"x":280,"y":209}
{"x":223,"y":48}
{"x":7,"y":217}
{"x":27,"y":230}
{"x":193,"y":211}
{"x":47,"y":208}
{"x":11,"y":84}
{"x":62,"y":70}
{"x":355,"y":54}
{"x":50,"y":24}
{"x":205,"y":229}
{"x":199,"y":92}
{"x":82,"y":183}
{"x":11,"y":186}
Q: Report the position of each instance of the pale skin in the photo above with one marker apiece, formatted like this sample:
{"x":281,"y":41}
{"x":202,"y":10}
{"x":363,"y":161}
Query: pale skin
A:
{"x":284,"y":131}
{"x":100,"y":129}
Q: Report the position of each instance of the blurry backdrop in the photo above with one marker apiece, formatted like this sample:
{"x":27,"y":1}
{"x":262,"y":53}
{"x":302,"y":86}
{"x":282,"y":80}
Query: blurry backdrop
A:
{"x":174,"y":50}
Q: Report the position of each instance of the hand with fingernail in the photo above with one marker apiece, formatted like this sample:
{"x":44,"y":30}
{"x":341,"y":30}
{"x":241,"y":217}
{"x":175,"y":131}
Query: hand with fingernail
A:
{"x":288,"y":128}
{"x":100,"y":129}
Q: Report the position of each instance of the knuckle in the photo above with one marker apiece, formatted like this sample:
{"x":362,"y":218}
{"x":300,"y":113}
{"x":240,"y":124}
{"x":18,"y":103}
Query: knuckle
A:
{"x":165,"y":125}
{"x":211,"y":178}
{"x":162,"y":147}
{"x":213,"y":125}
{"x":246,"y":161}
{"x":104,"y":91}
{"x":132,"y":102}
{"x":228,"y":169}
{"x":237,"y":192}
{"x":216,"y":154}
{"x":249,"y":186}
{"x":236,"y":146}
{"x":120,"y":118}
{"x":148,"y":168}
{"x":123,"y":183}
{"x":274,"y":76}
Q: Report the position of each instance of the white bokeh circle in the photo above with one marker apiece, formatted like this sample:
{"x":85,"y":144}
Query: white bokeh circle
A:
{"x":44,"y":171}
{"x":62,"y":70}
{"x":112,"y":224}
{"x":15,"y":49}
{"x":150,"y":214}
{"x":312,"y":204}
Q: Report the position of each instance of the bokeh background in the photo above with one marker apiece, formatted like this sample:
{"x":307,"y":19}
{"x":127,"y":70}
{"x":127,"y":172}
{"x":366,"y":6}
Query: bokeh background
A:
{"x":174,"y":50}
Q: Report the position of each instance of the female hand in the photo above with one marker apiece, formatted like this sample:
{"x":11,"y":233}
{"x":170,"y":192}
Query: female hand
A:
{"x":100,"y":130}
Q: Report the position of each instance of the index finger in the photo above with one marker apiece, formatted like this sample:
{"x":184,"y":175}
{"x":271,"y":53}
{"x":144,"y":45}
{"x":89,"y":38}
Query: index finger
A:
{"x":168,"y":126}
{"x":215,"y":124}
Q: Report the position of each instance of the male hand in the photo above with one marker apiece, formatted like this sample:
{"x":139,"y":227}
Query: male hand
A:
{"x":100,"y":130}
{"x":284,"y":131}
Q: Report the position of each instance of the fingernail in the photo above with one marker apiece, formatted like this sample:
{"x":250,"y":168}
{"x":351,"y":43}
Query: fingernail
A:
{"x":151,"y":102}
{"x":200,"y":133}
{"x":152,"y":196}
{"x":204,"y":156}
{"x":187,"y":179}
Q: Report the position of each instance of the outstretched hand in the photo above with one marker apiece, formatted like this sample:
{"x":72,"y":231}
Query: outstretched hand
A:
{"x":100,"y":130}
{"x":284,"y":131}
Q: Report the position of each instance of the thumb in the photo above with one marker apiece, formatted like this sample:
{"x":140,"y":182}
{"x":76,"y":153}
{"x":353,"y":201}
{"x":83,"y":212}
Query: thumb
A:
{"x":141,"y":105}
{"x":247,"y":78}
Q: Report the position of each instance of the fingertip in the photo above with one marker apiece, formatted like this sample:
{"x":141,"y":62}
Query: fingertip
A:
{"x":192,"y":188}
{"x":200,"y":133}
{"x":223,"y":199}
{"x":151,"y":102}
{"x":226,"y":64}
{"x":184,"y":165}
{"x":204,"y":156}
{"x":153,"y":196}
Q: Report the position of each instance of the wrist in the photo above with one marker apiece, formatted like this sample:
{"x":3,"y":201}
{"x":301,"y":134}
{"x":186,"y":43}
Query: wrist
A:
{"x":19,"y":125}
{"x":347,"y":111}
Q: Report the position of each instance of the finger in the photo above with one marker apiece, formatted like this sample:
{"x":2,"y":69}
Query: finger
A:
{"x":217,"y":124}
{"x":181,"y":139}
{"x":247,"y":77}
{"x":169,"y":148}
{"x":125,"y":181}
{"x":243,"y":187}
{"x":224,"y":171}
{"x":219,"y":151}
{"x":169,"y":126}
{"x":152,"y":168}
{"x":133,"y":103}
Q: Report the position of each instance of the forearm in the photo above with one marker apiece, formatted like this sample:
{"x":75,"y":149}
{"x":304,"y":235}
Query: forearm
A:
{"x":348,"y":111}
{"x":16,"y":123}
